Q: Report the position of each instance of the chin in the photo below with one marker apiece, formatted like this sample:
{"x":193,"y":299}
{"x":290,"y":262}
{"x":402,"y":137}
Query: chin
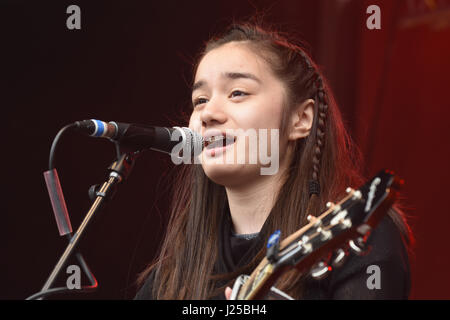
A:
{"x":229,"y":175}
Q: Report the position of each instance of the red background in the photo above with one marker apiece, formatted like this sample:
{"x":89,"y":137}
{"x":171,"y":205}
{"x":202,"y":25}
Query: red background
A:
{"x":402,"y":111}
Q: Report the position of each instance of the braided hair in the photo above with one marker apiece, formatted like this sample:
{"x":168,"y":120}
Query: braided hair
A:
{"x":321,"y":100}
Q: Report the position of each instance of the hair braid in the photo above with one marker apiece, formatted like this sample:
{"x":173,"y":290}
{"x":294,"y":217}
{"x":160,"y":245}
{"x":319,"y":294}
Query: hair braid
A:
{"x":321,"y":126}
{"x":320,"y":98}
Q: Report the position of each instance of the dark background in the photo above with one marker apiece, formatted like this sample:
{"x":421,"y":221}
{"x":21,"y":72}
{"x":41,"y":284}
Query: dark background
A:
{"x":131,"y":62}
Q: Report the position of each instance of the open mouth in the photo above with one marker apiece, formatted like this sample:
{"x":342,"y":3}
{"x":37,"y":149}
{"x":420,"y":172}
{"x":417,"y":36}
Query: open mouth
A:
{"x":219,"y":141}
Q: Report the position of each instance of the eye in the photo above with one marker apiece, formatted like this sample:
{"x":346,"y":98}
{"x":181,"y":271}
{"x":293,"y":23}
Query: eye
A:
{"x":238,"y":93}
{"x":199,"y":101}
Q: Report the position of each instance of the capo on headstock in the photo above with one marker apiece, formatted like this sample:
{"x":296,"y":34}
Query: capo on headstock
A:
{"x":273,"y":246}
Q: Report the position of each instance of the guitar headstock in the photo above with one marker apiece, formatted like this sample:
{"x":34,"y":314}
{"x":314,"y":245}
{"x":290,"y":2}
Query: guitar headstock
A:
{"x":344,"y":226}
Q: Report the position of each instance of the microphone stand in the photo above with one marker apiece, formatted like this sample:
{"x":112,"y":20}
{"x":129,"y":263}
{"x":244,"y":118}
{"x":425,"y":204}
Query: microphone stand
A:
{"x":119,"y":171}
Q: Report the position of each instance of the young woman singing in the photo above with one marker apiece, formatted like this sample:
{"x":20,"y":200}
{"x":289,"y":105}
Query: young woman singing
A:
{"x":223,"y":213}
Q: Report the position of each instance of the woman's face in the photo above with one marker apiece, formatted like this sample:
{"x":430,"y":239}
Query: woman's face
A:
{"x":236,"y":89}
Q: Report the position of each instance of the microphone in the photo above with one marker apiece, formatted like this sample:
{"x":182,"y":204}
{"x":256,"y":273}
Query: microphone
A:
{"x":138,"y":137}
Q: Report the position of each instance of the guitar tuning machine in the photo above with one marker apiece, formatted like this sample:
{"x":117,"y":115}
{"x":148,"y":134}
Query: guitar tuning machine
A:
{"x":336,"y":207}
{"x":314,"y":220}
{"x":339,"y":257}
{"x":359,"y":247}
{"x":357,"y":195}
{"x":320,"y":270}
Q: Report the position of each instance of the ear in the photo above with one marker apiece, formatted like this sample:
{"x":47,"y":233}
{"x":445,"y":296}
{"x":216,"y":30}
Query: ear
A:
{"x":301,"y":120}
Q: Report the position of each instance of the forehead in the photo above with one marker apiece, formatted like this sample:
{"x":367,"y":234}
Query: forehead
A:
{"x":231,"y":57}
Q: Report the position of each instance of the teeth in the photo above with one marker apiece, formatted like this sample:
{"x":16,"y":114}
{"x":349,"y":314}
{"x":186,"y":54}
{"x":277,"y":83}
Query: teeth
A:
{"x":218,"y":139}
{"x":213,"y":139}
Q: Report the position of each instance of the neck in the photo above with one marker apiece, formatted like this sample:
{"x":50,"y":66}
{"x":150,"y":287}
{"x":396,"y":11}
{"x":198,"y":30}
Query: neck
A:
{"x":250,"y":205}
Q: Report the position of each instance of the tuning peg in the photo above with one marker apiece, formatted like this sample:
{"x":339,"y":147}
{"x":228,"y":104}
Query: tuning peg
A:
{"x":320,"y":270}
{"x":346,"y":223}
{"x":324,"y":234}
{"x":314,"y":220}
{"x":339,"y":257}
{"x":358,"y":247}
{"x":335,"y":207}
{"x":357,"y":195}
{"x":306,"y":245}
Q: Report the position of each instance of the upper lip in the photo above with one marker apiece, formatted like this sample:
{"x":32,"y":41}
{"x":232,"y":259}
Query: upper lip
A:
{"x":209,"y":133}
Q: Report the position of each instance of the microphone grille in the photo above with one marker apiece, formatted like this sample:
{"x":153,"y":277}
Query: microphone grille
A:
{"x":194,"y":141}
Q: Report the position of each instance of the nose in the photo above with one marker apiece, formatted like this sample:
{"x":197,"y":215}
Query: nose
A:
{"x":213,"y":113}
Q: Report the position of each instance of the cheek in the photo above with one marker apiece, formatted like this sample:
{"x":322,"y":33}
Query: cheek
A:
{"x":195,"y":123}
{"x":275,"y":110}
{"x":265,"y":113}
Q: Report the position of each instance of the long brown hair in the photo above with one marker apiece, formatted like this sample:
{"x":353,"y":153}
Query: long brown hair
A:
{"x":322,"y":166}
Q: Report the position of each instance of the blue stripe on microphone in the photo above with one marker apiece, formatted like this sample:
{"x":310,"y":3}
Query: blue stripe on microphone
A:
{"x":100,"y":128}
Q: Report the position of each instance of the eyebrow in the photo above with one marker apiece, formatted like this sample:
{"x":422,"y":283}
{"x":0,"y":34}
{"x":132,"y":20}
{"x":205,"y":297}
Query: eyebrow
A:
{"x":228,"y":75}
